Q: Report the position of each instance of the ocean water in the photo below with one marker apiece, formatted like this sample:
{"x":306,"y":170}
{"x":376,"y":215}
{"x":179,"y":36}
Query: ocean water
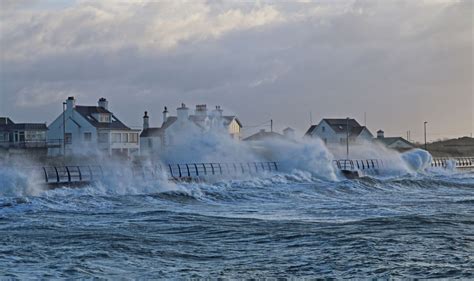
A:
{"x":419,"y":225}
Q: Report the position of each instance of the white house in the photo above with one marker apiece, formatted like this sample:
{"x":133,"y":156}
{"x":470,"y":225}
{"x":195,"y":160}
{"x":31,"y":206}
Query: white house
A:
{"x":91,"y":129}
{"x":335,"y":131}
{"x":397,"y":143}
{"x":155,"y":139}
{"x":23,"y":138}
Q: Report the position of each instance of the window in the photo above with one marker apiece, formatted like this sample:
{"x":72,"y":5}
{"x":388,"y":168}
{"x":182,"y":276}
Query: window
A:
{"x":104,"y":118}
{"x":87,"y":136}
{"x":124,"y":137}
{"x":116,"y":137}
{"x":35,"y":136}
{"x":22,"y":136}
{"x":103,"y":137}
{"x":133,"y":137}
{"x":68,"y":138}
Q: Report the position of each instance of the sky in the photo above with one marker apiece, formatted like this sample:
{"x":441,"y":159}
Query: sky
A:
{"x":398,"y":62}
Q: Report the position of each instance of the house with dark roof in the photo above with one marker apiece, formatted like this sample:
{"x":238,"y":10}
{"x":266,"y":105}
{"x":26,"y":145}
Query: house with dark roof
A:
{"x":91,"y":130}
{"x":22,"y":136}
{"x":396,"y":143}
{"x":264,"y":135}
{"x":336,"y":131}
{"x":153,"y":140}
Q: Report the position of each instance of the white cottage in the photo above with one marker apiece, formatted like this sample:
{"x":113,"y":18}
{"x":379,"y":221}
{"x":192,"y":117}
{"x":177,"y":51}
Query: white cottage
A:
{"x":397,"y":143}
{"x":91,"y":129}
{"x":334,"y":131}
{"x":153,"y":140}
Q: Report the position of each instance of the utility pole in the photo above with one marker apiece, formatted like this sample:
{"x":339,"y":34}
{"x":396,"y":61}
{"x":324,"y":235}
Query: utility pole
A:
{"x":64,"y":129}
{"x":347,"y":139}
{"x":426,"y":147}
{"x":271,"y":125}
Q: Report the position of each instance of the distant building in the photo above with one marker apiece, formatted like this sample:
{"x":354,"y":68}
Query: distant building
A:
{"x":21,"y":137}
{"x":289,"y":133}
{"x":334,"y":131}
{"x":263,"y":135}
{"x":155,"y":139}
{"x":397,"y":143}
{"x":90,"y":130}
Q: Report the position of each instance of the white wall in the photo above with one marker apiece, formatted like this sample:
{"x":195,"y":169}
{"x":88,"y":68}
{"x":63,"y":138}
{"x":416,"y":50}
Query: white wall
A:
{"x":55,"y":132}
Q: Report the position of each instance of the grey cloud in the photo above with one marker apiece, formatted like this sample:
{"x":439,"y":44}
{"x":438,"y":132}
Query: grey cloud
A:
{"x":400,"y":61}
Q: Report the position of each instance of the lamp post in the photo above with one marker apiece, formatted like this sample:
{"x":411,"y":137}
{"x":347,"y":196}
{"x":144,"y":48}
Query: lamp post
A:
{"x":64,"y":129}
{"x":426,"y":147}
{"x":347,"y":138}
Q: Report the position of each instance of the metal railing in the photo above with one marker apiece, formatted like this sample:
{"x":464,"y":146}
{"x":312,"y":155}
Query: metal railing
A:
{"x":197,"y":170}
{"x":71,"y":174}
{"x":457,"y":162}
{"x":358,"y":164}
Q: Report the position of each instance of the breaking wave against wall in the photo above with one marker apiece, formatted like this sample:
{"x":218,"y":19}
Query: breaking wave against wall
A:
{"x":305,"y":220}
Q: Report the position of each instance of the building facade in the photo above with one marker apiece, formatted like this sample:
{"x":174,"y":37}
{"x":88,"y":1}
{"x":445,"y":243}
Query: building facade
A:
{"x":154,"y":140}
{"x":91,"y":130}
{"x":23,"y":137}
{"x":396,"y":143}
{"x":336,"y":131}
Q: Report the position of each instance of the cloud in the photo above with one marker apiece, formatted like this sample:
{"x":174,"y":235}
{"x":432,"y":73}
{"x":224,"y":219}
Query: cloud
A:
{"x":397,"y":60}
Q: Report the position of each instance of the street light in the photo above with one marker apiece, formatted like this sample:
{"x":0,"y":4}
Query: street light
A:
{"x":426,"y":147}
{"x":347,"y":138}
{"x":64,"y":129}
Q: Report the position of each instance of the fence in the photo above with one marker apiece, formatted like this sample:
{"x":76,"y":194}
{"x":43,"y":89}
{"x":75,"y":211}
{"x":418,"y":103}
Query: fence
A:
{"x":459,"y":162}
{"x":84,"y":174}
{"x":358,"y":165}
{"x":197,"y":170}
{"x":71,"y":174}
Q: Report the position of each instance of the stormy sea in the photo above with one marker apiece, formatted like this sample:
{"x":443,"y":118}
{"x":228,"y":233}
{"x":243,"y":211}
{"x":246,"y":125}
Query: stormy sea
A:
{"x":285,"y":225}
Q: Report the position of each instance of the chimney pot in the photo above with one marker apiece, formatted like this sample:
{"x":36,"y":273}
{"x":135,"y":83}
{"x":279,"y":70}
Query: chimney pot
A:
{"x":103,"y":103}
{"x":146,"y":123}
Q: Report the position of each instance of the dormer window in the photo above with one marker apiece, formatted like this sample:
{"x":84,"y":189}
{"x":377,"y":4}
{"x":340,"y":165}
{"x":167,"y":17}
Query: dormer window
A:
{"x":104,"y":118}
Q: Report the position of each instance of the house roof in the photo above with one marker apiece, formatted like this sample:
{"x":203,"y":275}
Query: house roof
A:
{"x":340,"y":126}
{"x":88,"y":111}
{"x":6,"y":124}
{"x":151,"y":132}
{"x":262,"y":135}
{"x":229,"y":119}
{"x":155,"y":132}
{"x":6,"y":121}
{"x":310,"y":130}
{"x":391,"y":140}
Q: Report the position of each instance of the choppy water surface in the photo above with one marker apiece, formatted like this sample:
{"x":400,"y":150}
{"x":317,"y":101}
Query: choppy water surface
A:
{"x":281,"y":226}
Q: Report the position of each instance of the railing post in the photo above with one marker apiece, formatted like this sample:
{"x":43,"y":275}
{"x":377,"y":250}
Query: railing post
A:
{"x":45,"y":175}
{"x":205,"y":170}
{"x":196,"y":168}
{"x":212,"y":168}
{"x":171,"y":170}
{"x":57,"y":175}
{"x":187,"y":168}
{"x":80,"y":174}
